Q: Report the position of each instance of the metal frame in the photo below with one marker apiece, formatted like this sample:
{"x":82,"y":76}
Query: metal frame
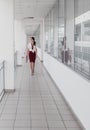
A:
{"x":2,"y":68}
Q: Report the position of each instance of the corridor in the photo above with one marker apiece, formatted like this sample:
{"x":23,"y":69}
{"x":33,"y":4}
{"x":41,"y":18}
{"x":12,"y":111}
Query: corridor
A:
{"x":36,"y":104}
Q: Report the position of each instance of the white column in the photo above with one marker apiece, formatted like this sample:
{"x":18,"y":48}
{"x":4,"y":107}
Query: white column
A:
{"x":7,"y":41}
{"x":20,"y":37}
{"x":42,"y":38}
{"x":49,"y":40}
{"x":56,"y":41}
{"x":43,"y":45}
{"x":70,"y":27}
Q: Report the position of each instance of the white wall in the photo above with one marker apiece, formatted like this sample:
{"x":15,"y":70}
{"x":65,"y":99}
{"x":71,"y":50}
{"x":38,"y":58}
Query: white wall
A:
{"x":75,"y":89}
{"x":6,"y":41}
{"x":20,"y":37}
{"x":39,"y":53}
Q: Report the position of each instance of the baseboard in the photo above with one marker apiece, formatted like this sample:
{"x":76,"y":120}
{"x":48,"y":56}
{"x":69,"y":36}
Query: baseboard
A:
{"x":9,"y":90}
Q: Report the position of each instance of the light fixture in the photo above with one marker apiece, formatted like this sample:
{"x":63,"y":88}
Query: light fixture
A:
{"x":28,"y":17}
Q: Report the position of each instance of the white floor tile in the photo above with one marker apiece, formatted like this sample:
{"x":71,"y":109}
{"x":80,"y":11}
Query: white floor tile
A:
{"x":39,"y":124}
{"x":40,"y":129}
{"x":56,"y":124}
{"x":22,"y":123}
{"x":6,"y":123}
{"x":7,"y":117}
{"x":72,"y":124}
{"x":22,"y":128}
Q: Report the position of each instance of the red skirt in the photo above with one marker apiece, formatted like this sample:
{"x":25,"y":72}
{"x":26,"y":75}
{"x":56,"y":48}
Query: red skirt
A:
{"x":32,"y":56}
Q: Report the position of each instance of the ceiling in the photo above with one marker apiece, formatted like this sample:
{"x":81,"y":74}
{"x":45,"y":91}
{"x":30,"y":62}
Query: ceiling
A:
{"x":31,"y":12}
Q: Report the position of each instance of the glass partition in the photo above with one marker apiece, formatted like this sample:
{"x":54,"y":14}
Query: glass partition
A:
{"x":37,"y":37}
{"x":67,"y":34}
{"x":82,"y":37}
{"x":2,"y":79}
{"x":54,"y":30}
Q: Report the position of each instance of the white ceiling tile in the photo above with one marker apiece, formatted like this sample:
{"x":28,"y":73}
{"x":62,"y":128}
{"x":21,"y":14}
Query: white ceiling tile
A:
{"x":32,"y":8}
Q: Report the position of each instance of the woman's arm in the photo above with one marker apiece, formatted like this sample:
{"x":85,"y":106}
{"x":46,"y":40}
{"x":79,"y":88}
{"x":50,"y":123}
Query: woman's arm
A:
{"x":36,"y":51}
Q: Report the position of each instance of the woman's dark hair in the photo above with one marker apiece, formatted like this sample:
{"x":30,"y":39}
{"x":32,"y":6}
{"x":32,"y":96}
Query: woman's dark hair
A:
{"x":34,"y":40}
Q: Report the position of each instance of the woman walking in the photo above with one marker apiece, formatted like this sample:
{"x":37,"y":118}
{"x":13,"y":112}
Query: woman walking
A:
{"x":32,"y":52}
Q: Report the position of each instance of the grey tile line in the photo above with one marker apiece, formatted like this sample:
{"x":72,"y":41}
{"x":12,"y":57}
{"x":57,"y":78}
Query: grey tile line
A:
{"x":50,"y":90}
{"x":63,"y":100}
{"x":54,"y":100}
{"x":19,"y":89}
{"x":43,"y":104}
{"x":30,"y":98}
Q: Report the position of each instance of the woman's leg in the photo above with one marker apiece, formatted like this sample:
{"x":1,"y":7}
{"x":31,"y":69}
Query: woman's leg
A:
{"x":31,"y":66}
{"x":34,"y":65}
{"x":34,"y":61}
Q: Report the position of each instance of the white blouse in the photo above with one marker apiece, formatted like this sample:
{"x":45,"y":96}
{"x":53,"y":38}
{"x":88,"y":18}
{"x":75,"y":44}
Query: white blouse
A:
{"x":30,"y":48}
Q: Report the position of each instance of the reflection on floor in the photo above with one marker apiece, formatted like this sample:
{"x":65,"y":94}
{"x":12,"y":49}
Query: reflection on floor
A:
{"x":36,"y":104}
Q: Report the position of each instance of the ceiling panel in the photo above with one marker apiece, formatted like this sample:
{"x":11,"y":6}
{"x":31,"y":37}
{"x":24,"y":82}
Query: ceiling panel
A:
{"x":24,"y":9}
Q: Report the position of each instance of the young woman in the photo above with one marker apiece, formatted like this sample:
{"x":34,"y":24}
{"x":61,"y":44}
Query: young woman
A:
{"x":32,"y":52}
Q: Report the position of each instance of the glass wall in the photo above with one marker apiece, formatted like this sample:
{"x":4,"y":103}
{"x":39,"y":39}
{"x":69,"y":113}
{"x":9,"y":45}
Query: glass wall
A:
{"x":67,"y":34}
{"x":61,"y":30}
{"x":82,"y":37}
{"x":54,"y":30}
{"x":37,"y":37}
{"x":51,"y":31}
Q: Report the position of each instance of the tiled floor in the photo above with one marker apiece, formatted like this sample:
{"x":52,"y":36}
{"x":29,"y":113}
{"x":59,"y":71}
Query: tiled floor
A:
{"x":36,"y":104}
